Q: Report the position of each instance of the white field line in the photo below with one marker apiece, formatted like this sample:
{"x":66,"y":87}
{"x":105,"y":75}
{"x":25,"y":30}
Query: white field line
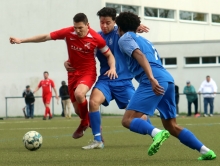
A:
{"x":56,"y":128}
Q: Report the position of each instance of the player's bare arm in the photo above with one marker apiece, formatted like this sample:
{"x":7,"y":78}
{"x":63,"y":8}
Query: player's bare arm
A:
{"x":142,"y":28}
{"x":68,"y":66}
{"x":37,"y":88}
{"x":142,"y":60}
{"x":111,"y":73}
{"x":34,"y":39}
{"x":56,"y":94}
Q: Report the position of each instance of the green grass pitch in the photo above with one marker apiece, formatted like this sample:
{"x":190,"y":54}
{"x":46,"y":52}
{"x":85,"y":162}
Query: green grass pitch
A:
{"x":122,"y":147}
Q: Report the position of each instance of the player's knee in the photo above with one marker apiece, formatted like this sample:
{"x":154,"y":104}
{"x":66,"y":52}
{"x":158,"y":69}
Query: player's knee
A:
{"x":93,"y":104}
{"x":125,"y":123}
{"x":80,"y":97}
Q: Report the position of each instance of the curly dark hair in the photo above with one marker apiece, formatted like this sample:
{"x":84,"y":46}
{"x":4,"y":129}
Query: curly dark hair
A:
{"x":107,"y":12}
{"x":128,"y":21}
{"x":80,"y":17}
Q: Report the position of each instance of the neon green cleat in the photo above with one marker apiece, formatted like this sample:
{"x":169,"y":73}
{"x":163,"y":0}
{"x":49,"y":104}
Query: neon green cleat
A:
{"x":158,"y":141}
{"x":210,"y":155}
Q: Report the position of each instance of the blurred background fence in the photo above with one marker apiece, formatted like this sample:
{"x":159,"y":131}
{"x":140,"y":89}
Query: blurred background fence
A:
{"x":14,"y":105}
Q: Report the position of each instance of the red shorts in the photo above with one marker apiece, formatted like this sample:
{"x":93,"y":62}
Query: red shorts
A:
{"x":47,"y":98}
{"x":74,"y":80}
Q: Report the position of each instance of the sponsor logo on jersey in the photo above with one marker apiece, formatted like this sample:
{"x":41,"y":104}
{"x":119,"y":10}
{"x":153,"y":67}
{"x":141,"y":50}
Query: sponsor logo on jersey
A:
{"x":87,"y":45}
{"x":110,"y":41}
{"x":79,"y":49}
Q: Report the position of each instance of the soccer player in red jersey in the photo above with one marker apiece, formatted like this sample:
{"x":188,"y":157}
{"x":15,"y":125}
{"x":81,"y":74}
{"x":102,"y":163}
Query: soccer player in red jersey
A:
{"x":47,"y":85}
{"x":82,"y":43}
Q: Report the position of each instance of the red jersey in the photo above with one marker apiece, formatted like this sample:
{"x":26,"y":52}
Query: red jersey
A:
{"x":47,"y":86}
{"x":82,"y":51}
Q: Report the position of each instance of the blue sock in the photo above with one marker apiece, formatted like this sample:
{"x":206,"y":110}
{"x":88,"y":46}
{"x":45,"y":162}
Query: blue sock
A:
{"x":95,"y":121}
{"x":189,"y":139}
{"x":141,"y":126}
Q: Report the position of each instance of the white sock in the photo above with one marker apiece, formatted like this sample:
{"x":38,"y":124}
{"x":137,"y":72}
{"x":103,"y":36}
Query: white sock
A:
{"x":155,"y":131}
{"x":204,"y":149}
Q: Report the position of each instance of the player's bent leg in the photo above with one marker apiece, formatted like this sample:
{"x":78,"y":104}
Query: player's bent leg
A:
{"x":95,"y":120}
{"x":129,"y":116}
{"x":80,"y":130}
{"x":80,"y":93}
{"x":76,"y":109}
{"x":96,"y":99}
{"x":171,"y":126}
{"x":133,"y":121}
{"x":188,"y":138}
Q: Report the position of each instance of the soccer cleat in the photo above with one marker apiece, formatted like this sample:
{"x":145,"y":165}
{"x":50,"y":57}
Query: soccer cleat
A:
{"x":94,"y":145}
{"x":79,"y":131}
{"x":210,"y":155}
{"x":205,"y":115}
{"x":158,"y":141}
{"x":50,"y":117}
{"x":211,"y":115}
{"x":44,"y":118}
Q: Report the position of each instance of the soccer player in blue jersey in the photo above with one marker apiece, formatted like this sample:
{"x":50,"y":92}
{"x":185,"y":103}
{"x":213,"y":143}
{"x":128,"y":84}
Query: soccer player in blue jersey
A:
{"x":119,"y":89}
{"x":156,"y":90}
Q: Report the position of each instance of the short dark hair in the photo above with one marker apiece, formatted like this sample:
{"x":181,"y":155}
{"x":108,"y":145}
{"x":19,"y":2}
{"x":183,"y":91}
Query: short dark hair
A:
{"x":28,"y":86}
{"x":46,"y":72}
{"x":128,"y":21}
{"x":80,"y":17}
{"x":207,"y":76}
{"x":107,"y":12}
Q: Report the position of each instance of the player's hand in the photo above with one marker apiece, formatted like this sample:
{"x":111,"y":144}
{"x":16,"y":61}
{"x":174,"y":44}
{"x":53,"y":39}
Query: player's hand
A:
{"x":57,"y":97}
{"x":14,"y":40}
{"x":68,"y":66}
{"x":142,"y":28}
{"x":158,"y":90}
{"x":111,"y":73}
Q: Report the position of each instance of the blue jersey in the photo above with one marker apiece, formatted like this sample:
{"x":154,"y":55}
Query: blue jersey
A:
{"x":131,"y":41}
{"x":121,"y":68}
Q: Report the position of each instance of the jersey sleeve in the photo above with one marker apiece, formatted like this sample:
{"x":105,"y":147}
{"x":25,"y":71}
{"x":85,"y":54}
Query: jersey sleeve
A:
{"x":52,"y":84}
{"x":102,"y":46}
{"x":60,"y":34}
{"x":127,"y":44}
{"x":39,"y":85}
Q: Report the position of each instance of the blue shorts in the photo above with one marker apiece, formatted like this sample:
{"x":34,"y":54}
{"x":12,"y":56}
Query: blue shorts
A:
{"x":120,"y":91}
{"x":144,"y":100}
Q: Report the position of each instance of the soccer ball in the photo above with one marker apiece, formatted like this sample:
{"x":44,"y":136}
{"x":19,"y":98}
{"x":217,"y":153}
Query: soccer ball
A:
{"x":32,"y":140}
